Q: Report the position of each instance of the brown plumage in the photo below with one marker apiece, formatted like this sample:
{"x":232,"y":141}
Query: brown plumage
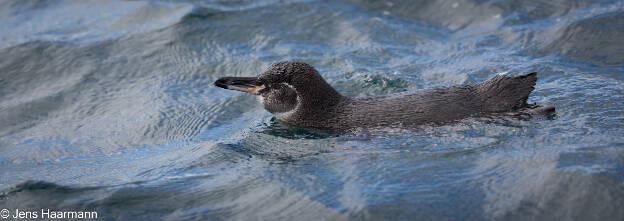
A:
{"x":296,"y":93}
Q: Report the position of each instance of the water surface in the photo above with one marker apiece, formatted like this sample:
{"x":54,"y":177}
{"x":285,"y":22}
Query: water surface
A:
{"x":109,"y":106}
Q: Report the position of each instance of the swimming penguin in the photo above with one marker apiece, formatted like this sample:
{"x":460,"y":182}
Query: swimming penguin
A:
{"x":296,"y":93}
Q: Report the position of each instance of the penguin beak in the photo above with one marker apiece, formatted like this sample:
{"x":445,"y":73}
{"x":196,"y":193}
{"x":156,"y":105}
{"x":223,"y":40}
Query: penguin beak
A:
{"x":245,"y":84}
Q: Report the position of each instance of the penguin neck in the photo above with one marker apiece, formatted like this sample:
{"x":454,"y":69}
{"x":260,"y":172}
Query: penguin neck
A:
{"x":317,"y":97}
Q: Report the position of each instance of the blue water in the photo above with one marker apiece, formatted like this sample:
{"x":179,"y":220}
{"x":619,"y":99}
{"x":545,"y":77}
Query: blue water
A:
{"x":109,"y":106}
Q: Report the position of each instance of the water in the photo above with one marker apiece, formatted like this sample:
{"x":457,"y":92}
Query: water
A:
{"x":109,"y":106}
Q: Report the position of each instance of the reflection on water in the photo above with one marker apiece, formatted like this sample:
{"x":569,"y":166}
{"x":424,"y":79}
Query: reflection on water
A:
{"x":109,"y":106}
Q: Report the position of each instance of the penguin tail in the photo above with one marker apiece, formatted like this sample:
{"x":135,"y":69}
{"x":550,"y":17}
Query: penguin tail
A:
{"x":503,"y":93}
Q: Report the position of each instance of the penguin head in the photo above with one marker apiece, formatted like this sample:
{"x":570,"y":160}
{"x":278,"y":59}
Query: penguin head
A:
{"x":284,"y":86}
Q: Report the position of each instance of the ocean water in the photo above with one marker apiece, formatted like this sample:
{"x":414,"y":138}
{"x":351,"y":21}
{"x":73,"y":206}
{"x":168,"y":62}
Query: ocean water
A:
{"x":108,"y":106}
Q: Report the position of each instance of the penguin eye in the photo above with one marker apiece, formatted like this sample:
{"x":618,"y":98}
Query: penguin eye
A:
{"x":276,"y":86}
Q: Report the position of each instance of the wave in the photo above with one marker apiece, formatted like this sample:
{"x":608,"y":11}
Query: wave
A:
{"x":83,"y":22}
